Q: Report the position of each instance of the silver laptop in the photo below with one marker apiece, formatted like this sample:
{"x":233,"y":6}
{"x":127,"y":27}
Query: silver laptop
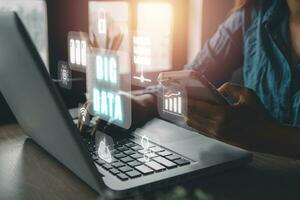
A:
{"x":180,"y":154}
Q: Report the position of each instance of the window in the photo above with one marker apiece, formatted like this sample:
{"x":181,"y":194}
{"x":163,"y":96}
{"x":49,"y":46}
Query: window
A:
{"x":154,"y":21}
{"x":33,"y":13}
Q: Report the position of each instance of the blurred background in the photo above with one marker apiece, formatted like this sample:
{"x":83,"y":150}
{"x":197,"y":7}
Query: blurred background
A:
{"x":182,"y":26}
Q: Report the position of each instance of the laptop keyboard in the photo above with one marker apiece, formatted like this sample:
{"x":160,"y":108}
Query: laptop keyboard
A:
{"x":128,"y":159}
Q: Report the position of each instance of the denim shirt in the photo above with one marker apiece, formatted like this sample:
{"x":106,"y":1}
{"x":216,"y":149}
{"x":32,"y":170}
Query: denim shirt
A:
{"x":257,"y":38}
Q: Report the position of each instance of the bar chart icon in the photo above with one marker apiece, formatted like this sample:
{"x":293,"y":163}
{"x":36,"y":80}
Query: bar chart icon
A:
{"x":173,"y":103}
{"x":78,"y":49}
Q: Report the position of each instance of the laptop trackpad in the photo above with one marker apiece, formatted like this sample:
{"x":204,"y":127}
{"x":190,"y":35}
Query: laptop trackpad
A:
{"x":188,"y":143}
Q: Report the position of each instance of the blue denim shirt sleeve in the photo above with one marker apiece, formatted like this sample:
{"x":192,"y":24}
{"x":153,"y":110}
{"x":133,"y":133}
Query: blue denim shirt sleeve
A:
{"x":223,"y":52}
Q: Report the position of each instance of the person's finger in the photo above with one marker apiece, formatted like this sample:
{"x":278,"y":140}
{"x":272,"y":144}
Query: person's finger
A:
{"x":232,"y":90}
{"x":208,"y":110}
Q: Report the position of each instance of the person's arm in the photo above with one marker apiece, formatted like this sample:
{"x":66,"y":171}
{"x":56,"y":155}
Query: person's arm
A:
{"x":221,"y":55}
{"x":246,"y":124}
{"x":223,"y":52}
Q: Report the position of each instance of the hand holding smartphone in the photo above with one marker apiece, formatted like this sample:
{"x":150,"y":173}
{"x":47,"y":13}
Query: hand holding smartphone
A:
{"x":196,"y":85}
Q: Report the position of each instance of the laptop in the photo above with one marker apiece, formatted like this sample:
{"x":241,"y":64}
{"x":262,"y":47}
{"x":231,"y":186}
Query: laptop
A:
{"x":181,"y":154}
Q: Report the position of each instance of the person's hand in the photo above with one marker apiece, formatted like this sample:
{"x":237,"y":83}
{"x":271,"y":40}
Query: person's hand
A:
{"x":143,"y":108}
{"x":246,"y":123}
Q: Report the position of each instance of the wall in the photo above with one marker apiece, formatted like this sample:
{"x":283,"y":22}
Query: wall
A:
{"x":214,"y":13}
{"x":204,"y":18}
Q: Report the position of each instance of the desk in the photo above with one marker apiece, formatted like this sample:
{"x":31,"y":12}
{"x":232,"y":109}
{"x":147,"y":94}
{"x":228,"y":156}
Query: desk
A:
{"x":28,"y":172}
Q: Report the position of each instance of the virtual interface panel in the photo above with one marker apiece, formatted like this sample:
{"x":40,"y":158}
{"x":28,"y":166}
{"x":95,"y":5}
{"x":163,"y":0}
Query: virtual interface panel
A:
{"x":112,"y":56}
{"x":109,"y":59}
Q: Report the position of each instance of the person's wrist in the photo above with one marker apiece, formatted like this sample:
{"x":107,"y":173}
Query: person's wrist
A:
{"x":148,"y":103}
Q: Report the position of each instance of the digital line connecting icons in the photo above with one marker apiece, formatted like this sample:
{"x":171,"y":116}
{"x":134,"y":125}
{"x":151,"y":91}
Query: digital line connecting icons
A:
{"x":142,"y":55}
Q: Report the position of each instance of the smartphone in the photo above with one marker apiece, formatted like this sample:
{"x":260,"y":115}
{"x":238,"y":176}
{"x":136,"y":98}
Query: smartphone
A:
{"x":196,"y":85}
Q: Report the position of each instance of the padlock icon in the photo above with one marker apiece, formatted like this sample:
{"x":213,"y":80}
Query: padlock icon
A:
{"x":102,"y":27}
{"x":104,"y":152}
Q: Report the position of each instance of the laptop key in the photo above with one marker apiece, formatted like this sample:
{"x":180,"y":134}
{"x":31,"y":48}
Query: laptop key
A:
{"x":136,"y":155}
{"x":100,"y":162}
{"x":149,"y":154}
{"x":122,"y":176}
{"x":107,"y":166}
{"x":114,"y":152}
{"x":134,"y":163}
{"x":123,"y":148}
{"x":182,"y":162}
{"x":117,"y":146}
{"x":91,"y":149}
{"x":127,"y":159}
{"x":137,"y":148}
{"x":157,"y":149}
{"x":94,"y":157}
{"x":130,"y":144}
{"x":118,"y":164}
{"x":114,"y":171}
{"x":133,"y":174}
{"x":165,"y":162}
{"x":120,"y":155}
{"x":144,"y":169}
{"x":164,"y":153}
{"x":173,"y":157}
{"x":155,"y":166}
{"x":125,"y":169}
{"x":129,"y":152}
{"x":124,"y":141}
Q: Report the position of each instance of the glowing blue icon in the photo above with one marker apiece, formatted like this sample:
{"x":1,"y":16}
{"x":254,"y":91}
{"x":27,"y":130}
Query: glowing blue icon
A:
{"x":108,"y":104}
{"x":106,"y":69}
